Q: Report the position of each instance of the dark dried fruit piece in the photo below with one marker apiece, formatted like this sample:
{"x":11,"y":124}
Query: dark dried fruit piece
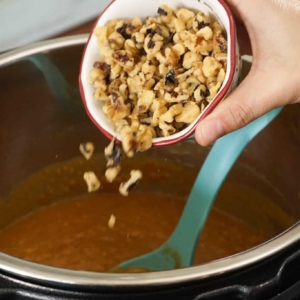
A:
{"x":202,"y":24}
{"x":122,"y":31}
{"x":162,"y":12}
{"x":151,"y":44}
{"x":170,"y":78}
{"x":205,"y":94}
{"x":149,"y":31}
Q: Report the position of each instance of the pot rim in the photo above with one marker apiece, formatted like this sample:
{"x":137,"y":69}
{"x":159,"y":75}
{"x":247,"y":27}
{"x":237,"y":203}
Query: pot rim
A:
{"x":51,"y":275}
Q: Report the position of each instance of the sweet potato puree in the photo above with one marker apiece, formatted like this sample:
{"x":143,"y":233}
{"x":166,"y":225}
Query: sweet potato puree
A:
{"x":75,"y":235}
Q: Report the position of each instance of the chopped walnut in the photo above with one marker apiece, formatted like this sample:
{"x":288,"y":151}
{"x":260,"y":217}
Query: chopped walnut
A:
{"x":117,"y":109}
{"x":179,"y":95}
{"x":189,"y":58}
{"x":145,"y":100}
{"x":165,"y":13}
{"x":124,"y":59}
{"x":221,"y":76}
{"x":211,"y":66}
{"x":112,"y":173}
{"x":112,"y":222}
{"x":198,"y":72}
{"x":126,"y":187}
{"x":167,"y":129}
{"x":113,"y":154}
{"x":201,"y":93}
{"x":101,"y":94}
{"x":116,"y":41}
{"x":213,"y":86}
{"x":198,"y":44}
{"x":156,"y":76}
{"x":139,"y":38}
{"x":184,"y":14}
{"x":158,"y":108}
{"x":87,"y":149}
{"x":177,"y":24}
{"x":153,"y":44}
{"x":136,"y":139}
{"x":92,"y":181}
{"x":189,"y":113}
{"x":222,"y":59}
{"x":201,"y":21}
{"x":171,"y":113}
{"x":101,"y":34}
{"x":129,"y":46}
{"x":205,"y":33}
{"x":134,"y":26}
{"x":219,"y":43}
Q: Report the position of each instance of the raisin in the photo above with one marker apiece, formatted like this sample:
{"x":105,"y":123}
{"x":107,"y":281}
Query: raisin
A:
{"x":149,"y":31}
{"x":151,"y":44}
{"x":122,"y":31}
{"x":201,"y":25}
{"x":205,"y":94}
{"x":162,"y":12}
{"x":170,"y":78}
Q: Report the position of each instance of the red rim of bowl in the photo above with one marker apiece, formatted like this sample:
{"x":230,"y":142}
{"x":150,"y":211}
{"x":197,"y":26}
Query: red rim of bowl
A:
{"x":214,"y":103}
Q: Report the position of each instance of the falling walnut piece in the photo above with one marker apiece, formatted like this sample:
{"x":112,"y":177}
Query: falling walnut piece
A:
{"x":87,"y":149}
{"x":111,"y":222}
{"x":126,"y":187}
{"x":113,"y":155}
{"x":92,"y":181}
{"x":112,"y":173}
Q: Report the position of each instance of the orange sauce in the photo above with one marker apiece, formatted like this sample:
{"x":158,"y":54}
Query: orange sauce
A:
{"x":74,"y":234}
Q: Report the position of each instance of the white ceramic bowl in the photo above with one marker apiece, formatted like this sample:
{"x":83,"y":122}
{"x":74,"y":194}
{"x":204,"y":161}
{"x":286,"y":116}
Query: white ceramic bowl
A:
{"x":126,"y":9}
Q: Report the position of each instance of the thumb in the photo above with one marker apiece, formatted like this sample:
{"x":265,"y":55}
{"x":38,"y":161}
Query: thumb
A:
{"x":259,"y":93}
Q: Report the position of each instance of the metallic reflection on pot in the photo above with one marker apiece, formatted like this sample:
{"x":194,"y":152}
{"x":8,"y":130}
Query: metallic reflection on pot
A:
{"x":43,"y":122}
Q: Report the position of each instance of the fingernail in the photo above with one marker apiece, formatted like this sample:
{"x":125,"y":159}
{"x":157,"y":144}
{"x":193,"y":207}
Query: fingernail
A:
{"x":211,"y":130}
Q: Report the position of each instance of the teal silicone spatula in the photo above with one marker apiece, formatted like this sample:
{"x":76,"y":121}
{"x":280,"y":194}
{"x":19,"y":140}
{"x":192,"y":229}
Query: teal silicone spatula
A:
{"x":178,"y":251}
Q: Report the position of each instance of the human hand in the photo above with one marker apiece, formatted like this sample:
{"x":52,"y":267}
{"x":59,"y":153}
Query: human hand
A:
{"x":273,"y":27}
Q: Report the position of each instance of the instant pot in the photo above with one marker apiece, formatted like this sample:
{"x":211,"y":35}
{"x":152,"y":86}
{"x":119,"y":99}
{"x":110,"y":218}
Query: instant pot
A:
{"x":42,"y":118}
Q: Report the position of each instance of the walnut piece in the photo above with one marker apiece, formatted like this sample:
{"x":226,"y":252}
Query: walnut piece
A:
{"x":87,"y":149}
{"x":112,"y":222}
{"x":126,"y":187}
{"x":92,"y":181}
{"x":113,"y":155}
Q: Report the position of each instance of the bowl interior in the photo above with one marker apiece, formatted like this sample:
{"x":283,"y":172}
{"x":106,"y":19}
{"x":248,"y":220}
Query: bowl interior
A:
{"x":126,"y":9}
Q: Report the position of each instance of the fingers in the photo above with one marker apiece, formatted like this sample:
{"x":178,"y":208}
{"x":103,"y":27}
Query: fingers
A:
{"x":254,"y":97}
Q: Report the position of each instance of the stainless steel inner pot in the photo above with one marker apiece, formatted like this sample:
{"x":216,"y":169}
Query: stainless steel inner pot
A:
{"x":43,"y":121}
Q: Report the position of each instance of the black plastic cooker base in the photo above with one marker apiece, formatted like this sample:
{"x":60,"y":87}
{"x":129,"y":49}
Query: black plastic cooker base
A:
{"x":275,"y":279}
